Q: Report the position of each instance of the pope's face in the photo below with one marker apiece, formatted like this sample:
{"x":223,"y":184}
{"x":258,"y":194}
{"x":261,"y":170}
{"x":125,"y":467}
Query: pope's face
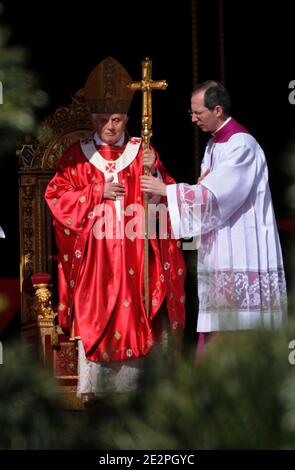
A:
{"x":109,"y":127}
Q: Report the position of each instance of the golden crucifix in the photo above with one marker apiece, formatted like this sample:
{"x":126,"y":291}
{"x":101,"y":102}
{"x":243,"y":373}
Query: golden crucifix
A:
{"x":146,"y":86}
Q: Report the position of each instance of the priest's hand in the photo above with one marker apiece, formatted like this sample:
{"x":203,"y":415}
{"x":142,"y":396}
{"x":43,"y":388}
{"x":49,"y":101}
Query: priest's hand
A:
{"x":112,"y":190}
{"x":149,"y":184}
{"x":148,"y":159}
{"x":202,"y":176}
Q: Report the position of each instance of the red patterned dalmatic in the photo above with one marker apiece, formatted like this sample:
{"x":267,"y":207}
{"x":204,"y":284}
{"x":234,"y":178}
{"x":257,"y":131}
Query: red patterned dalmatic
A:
{"x":101,"y":278}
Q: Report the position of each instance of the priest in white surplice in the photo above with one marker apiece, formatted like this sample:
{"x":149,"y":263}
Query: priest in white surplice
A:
{"x":241,"y":281}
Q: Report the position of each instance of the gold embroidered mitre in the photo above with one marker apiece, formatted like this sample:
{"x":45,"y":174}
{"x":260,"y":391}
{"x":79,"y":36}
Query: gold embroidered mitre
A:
{"x":106,"y":90}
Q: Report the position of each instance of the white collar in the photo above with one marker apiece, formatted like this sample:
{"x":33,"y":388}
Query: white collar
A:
{"x":107,"y":167}
{"x":222,"y":125}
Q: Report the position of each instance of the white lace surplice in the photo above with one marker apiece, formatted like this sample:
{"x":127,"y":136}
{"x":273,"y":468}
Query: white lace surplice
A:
{"x":241,"y":281}
{"x":101,"y":378}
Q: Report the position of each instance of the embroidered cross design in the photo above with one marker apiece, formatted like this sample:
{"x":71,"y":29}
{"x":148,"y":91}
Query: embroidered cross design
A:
{"x":111,"y":167}
{"x":135,"y":140}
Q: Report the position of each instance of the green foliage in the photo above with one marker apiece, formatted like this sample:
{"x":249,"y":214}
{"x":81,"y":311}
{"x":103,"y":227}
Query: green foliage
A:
{"x":29,"y":402}
{"x":32,"y":415}
{"x":240,"y":397}
{"x":19,"y":95}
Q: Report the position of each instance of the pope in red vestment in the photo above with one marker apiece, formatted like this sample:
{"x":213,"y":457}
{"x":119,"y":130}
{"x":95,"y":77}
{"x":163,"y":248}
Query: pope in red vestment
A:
{"x":101,"y":272}
{"x":97,"y":208}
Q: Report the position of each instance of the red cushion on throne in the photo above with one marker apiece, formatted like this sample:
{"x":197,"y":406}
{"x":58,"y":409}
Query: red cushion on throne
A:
{"x":41,"y":278}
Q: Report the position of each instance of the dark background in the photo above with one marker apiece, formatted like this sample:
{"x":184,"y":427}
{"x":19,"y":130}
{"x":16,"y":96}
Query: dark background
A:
{"x":66,"y":40}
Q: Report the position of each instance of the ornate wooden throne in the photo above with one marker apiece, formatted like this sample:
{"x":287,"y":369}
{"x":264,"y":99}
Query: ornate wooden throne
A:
{"x":38,"y":264}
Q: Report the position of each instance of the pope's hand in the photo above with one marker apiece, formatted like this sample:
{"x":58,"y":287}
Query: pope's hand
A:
{"x":112,"y":190}
{"x":148,"y":159}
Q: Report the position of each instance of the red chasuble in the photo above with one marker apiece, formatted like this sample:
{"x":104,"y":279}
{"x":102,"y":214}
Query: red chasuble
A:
{"x":101,"y":278}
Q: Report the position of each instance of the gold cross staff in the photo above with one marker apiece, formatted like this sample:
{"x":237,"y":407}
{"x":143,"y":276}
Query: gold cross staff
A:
{"x":146,"y":86}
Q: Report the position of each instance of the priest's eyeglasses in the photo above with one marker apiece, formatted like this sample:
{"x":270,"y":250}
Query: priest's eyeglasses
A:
{"x":196,"y":113}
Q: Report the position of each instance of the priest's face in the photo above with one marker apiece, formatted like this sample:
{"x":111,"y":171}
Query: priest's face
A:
{"x":206,"y":120}
{"x":109,"y":127}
